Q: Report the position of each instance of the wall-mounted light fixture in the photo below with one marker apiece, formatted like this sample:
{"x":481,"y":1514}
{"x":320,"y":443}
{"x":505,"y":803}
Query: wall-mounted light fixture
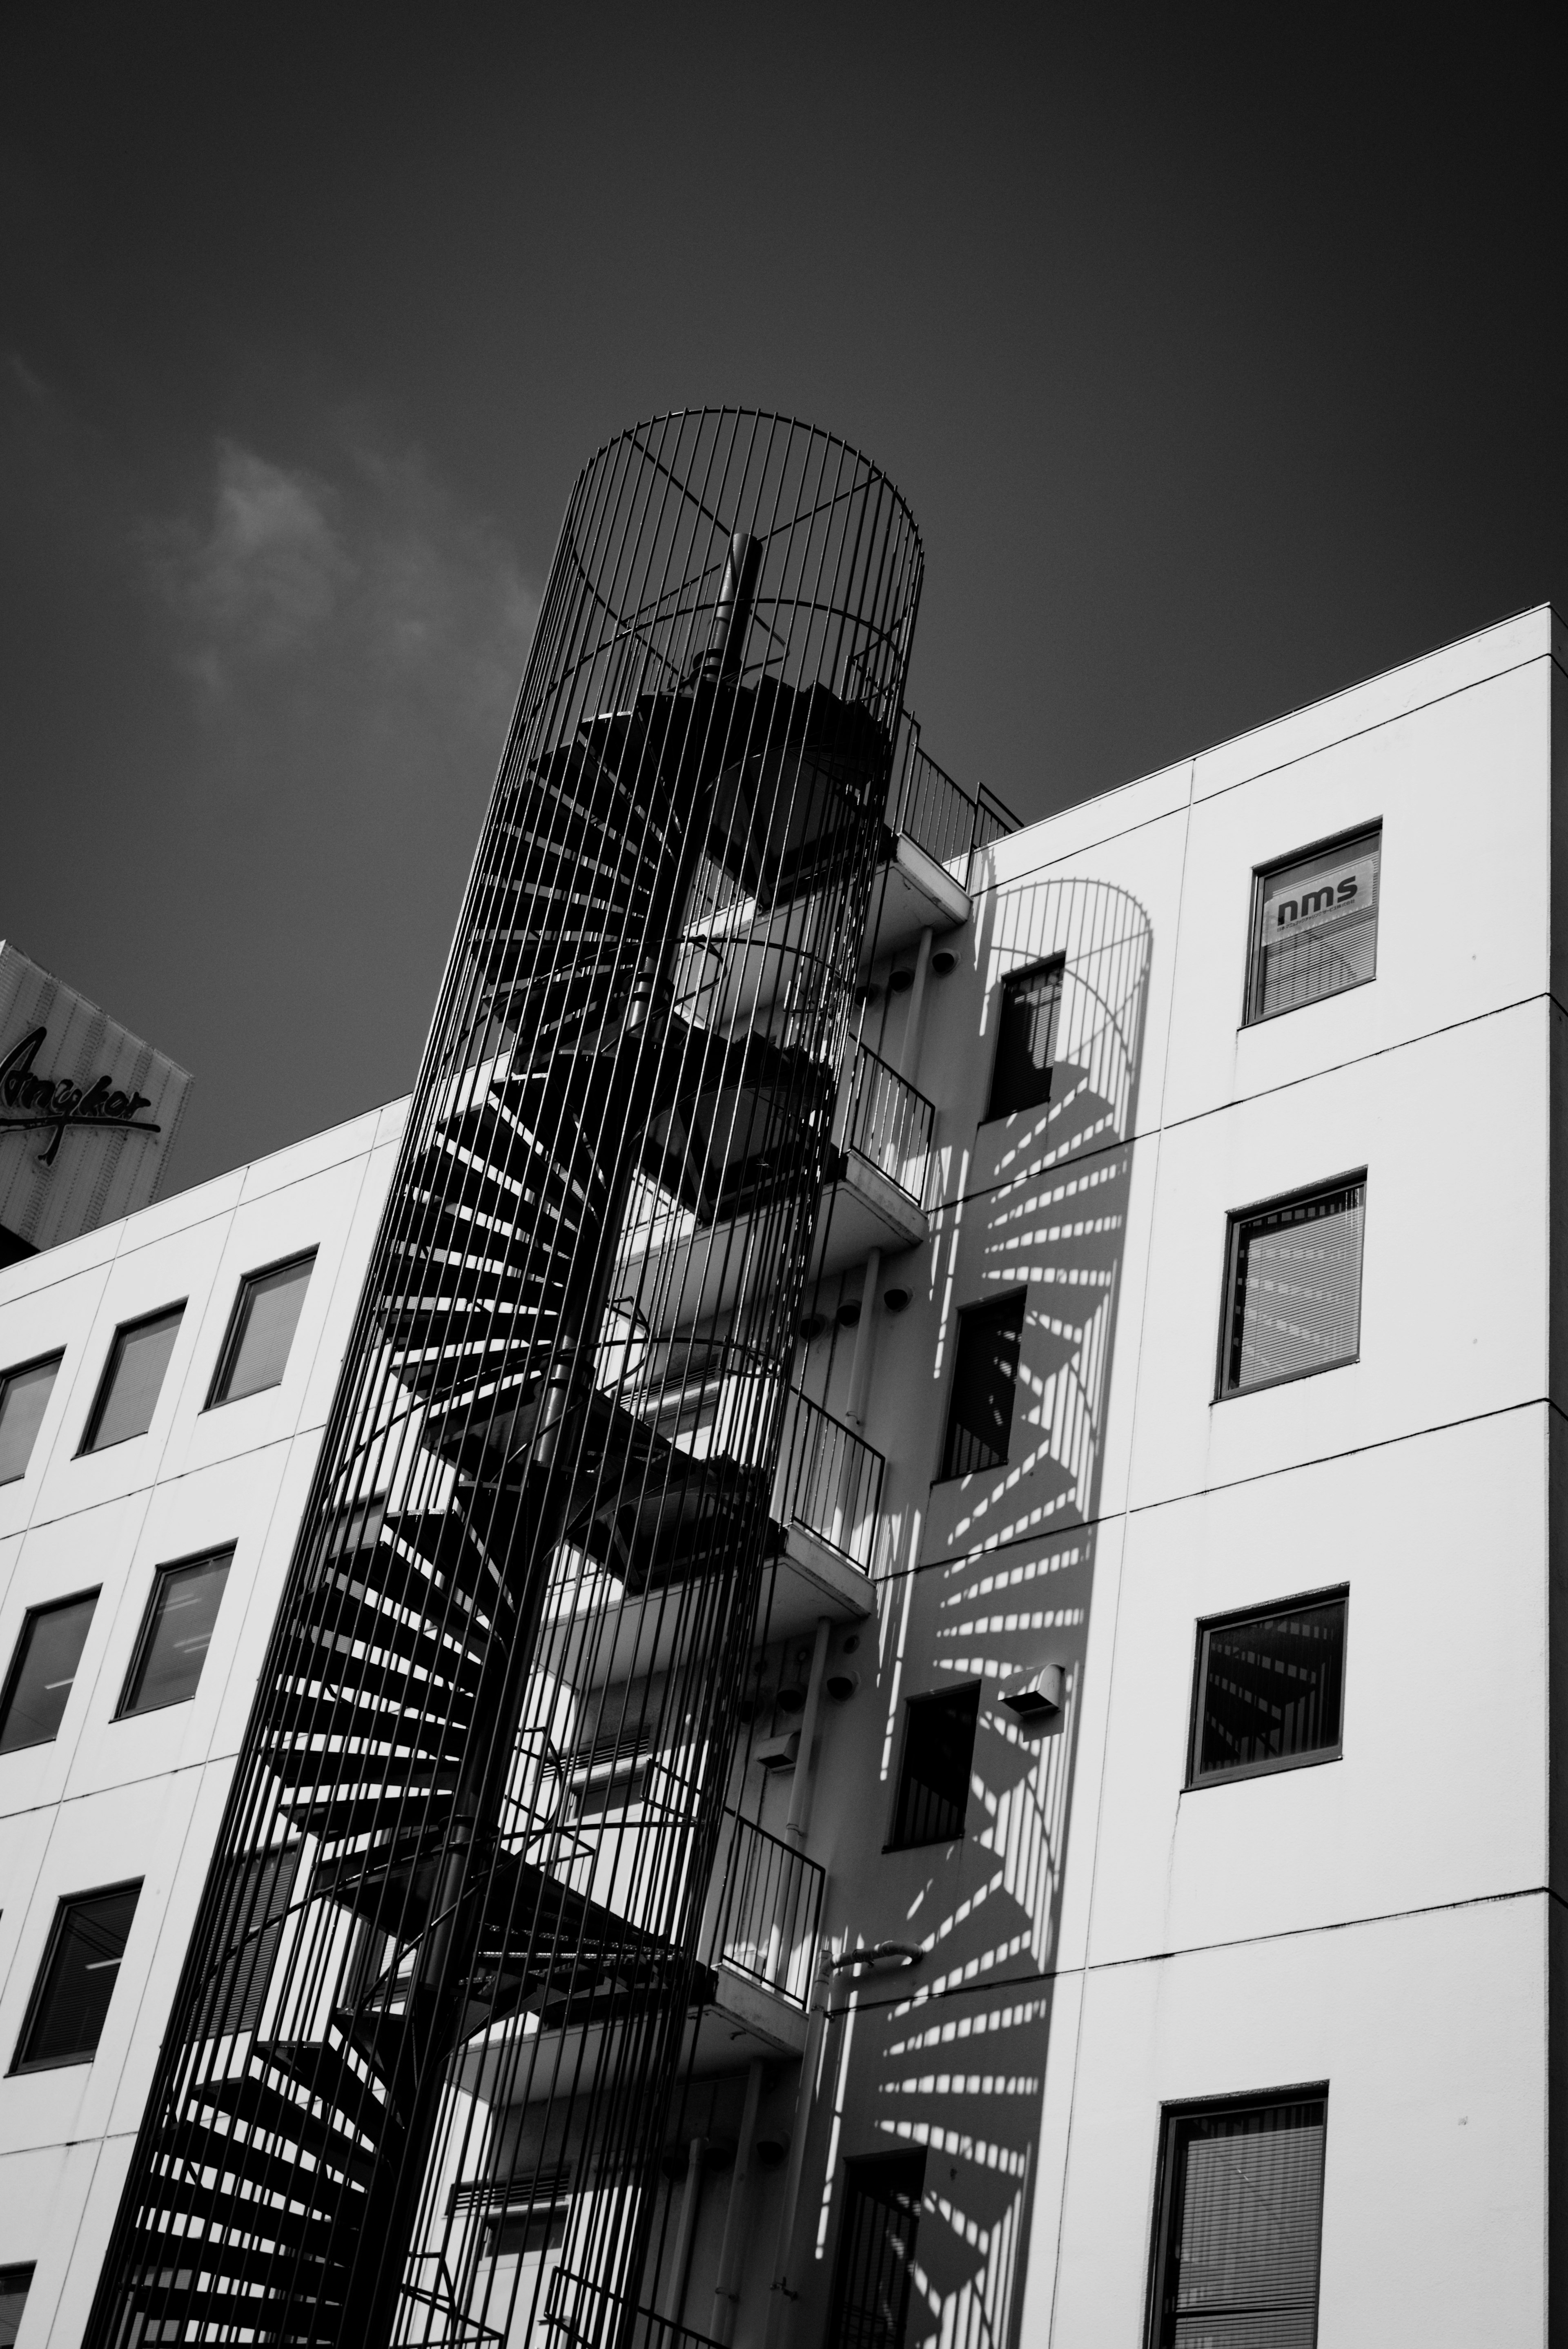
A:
{"x":1040,"y":1698}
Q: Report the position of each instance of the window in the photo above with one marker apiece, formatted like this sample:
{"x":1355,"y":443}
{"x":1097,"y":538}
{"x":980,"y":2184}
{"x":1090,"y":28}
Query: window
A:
{"x":1314,"y":924}
{"x":176,"y":1632}
{"x":610,"y":1772}
{"x":1293,"y":1287}
{"x":14,"y":2287}
{"x":933,"y":1776}
{"x":875,"y":2268}
{"x":1025,"y":1038}
{"x":24,"y":1397}
{"x":1269,"y":1689}
{"x":259,"y":1890}
{"x":985,"y":1373}
{"x":66,"y":2016}
{"x":128,"y":1392}
{"x":261,"y":1331}
{"x":38,"y":1685}
{"x":1239,"y":2224}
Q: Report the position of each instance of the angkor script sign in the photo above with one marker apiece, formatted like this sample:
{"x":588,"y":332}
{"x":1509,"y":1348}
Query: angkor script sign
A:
{"x":29,"y":1100}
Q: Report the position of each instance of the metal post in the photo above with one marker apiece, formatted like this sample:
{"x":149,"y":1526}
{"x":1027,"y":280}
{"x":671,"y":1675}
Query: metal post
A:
{"x":782,"y":2295}
{"x":726,"y":2282}
{"x":865,"y":1331}
{"x":686,"y":2227}
{"x":800,"y":1818}
{"x":915,"y":1023}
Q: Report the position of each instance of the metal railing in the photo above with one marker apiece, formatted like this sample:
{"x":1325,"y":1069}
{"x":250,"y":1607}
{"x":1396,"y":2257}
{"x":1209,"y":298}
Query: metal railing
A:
{"x":938,"y":816}
{"x":830,"y":1480}
{"x":582,"y":2314}
{"x":890,"y":1124}
{"x":769,"y":1912}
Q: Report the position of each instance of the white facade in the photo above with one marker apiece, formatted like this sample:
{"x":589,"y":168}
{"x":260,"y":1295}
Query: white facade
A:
{"x":110,"y":1801}
{"x":1103,"y":1940}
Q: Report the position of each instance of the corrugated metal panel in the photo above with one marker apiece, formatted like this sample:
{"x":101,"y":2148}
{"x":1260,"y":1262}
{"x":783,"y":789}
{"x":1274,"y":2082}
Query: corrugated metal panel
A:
{"x":88,"y":1112}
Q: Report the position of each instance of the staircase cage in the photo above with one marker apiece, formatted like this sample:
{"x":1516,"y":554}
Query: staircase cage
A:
{"x":449,"y":1934}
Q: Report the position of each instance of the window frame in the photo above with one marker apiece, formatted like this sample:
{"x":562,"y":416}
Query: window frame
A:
{"x":228,"y":1352}
{"x":20,"y":1370}
{"x":1054,"y":963}
{"x":932,"y":1696}
{"x":1262,"y":876}
{"x":1170,"y":2116}
{"x":106,"y":1378}
{"x":1205,"y":1624}
{"x":28,"y":2268}
{"x":124,"y":1710}
{"x":945,"y":1476}
{"x":20,"y":2064}
{"x":13,"y":1669}
{"x":1234,"y":1218}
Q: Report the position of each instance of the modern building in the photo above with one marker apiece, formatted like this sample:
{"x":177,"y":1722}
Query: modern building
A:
{"x":854,"y":1642}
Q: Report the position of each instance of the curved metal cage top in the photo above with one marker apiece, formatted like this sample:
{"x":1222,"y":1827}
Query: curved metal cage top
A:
{"x":637,"y":601}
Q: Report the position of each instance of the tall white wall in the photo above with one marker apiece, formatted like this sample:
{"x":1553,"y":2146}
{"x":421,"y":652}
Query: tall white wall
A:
{"x":1103,"y":1941}
{"x":112,"y":1800}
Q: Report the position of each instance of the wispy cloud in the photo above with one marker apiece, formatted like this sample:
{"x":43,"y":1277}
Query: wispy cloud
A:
{"x":376,"y":571}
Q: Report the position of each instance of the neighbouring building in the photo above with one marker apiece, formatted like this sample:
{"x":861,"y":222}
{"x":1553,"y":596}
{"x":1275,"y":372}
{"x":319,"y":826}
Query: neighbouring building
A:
{"x":854,"y":1640}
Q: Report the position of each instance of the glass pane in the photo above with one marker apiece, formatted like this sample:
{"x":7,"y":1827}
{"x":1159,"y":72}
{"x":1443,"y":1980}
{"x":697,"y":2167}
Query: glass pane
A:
{"x":980,"y":1417}
{"x":268,"y":1315}
{"x":1248,"y":2230}
{"x":14,"y":2284}
{"x":129,"y":1396}
{"x":24,"y":1395}
{"x":933,"y":1783}
{"x":184,"y":1608}
{"x":1272,"y":1688}
{"x":1296,"y":1304}
{"x":1021,"y":1072}
{"x":259,"y":1892}
{"x":47,"y":1660}
{"x":78,"y":1981}
{"x":1316,"y":926}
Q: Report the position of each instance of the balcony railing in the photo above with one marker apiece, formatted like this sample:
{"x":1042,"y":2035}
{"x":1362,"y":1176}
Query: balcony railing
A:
{"x":938,"y":816}
{"x":890,"y":1124}
{"x":768,"y":1911}
{"x":830,"y":1480}
{"x":580,"y":2314}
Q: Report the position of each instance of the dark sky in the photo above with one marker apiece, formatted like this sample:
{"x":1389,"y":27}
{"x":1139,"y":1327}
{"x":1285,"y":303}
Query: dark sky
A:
{"x":1218,"y":354}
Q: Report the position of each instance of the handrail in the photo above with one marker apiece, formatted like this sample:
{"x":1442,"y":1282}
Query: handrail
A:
{"x":830,"y":1480}
{"x":596,"y":2314}
{"x":938,"y":816}
{"x":769,"y":1911}
{"x":891,"y":1124}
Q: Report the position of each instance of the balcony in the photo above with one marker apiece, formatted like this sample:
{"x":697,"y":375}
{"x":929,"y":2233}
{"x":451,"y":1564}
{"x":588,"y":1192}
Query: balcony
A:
{"x":933,"y":826}
{"x":886,"y":1169}
{"x":759,"y":1943}
{"x":826,"y":1496}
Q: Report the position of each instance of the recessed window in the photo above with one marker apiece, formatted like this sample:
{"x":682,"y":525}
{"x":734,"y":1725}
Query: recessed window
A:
{"x":38,"y":1684}
{"x":1027,"y":1006}
{"x":128,"y":1391}
{"x":1239,"y":2224}
{"x":1293,"y":1287}
{"x":259,"y":1889}
{"x":15,"y":2285}
{"x":985,"y":1374}
{"x":261,"y":1331}
{"x":66,"y":2016}
{"x":176,"y":1632}
{"x":874,"y":2274}
{"x":1314,"y":924}
{"x":24,"y":1397}
{"x":1269,"y":1689}
{"x":933,"y":1775}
